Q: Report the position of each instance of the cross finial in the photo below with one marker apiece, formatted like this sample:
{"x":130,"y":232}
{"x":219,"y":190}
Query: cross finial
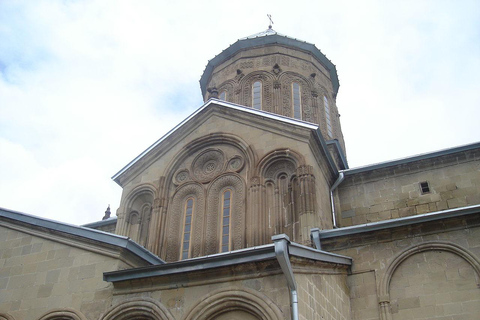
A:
{"x":271,"y":21}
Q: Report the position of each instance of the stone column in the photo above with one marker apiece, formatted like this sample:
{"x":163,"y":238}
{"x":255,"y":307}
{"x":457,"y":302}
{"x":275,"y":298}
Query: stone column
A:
{"x":385,"y":313}
{"x":277,"y":106}
{"x":153,"y":241}
{"x":306,"y":202}
{"x":256,"y":226}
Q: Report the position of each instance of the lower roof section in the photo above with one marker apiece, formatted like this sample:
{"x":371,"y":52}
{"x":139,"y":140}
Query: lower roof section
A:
{"x":248,"y":255}
{"x":399,"y":222}
{"x":65,"y":229}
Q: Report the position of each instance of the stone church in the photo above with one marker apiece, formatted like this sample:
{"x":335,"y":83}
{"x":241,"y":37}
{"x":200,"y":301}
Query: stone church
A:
{"x":248,"y":209}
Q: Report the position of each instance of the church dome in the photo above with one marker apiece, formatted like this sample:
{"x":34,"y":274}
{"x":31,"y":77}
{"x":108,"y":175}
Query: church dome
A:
{"x":279,"y":74}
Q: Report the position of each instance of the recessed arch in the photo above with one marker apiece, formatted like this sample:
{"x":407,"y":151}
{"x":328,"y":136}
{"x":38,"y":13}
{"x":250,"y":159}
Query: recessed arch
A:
{"x":426,"y":246}
{"x":6,"y":316}
{"x":279,"y":155}
{"x":384,"y":284}
{"x":62,"y":314}
{"x":231,"y":299}
{"x":145,"y":188}
{"x":143,"y":308}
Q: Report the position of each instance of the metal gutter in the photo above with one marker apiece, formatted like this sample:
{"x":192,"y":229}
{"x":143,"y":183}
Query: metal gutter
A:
{"x":248,"y":255}
{"x":87,"y":233}
{"x":241,"y":108}
{"x":399,"y":222}
{"x":419,"y":157}
{"x":302,"y":251}
{"x":282,"y":242}
{"x":340,"y":178}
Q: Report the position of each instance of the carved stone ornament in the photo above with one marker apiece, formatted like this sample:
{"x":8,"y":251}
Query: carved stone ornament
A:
{"x":236,"y":163}
{"x":208,"y":164}
{"x":182,"y":176}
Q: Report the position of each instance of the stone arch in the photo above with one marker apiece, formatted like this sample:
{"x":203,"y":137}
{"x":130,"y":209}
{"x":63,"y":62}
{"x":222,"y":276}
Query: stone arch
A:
{"x":277,"y":171}
{"x":229,"y":87}
{"x":138,"y":309}
{"x":279,"y":155}
{"x":286,"y":79}
{"x":175,"y":217}
{"x":267,"y":89}
{"x":137,"y":213}
{"x":384,"y":284}
{"x":231,"y":299}
{"x":203,"y":143}
{"x":236,"y":183}
{"x":62,"y":314}
{"x":6,"y":316}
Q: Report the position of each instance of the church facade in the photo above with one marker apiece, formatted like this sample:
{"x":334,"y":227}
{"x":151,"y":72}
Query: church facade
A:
{"x":247,"y":209}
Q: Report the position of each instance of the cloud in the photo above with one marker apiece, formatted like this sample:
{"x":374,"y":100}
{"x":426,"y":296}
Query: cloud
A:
{"x":85,"y":86}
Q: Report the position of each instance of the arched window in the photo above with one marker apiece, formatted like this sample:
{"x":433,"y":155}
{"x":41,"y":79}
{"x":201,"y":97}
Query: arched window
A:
{"x":257,"y":95}
{"x":187,"y":229}
{"x":327,"y":117}
{"x":297,"y":111}
{"x":226,"y":221}
{"x":223,"y":96}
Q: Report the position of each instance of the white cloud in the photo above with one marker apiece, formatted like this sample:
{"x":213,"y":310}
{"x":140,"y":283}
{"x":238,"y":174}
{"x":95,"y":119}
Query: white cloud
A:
{"x":85,"y":86}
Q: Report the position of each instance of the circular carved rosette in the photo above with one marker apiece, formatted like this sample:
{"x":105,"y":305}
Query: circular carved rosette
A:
{"x":236,"y":163}
{"x":181,"y":176}
{"x":207,"y":165}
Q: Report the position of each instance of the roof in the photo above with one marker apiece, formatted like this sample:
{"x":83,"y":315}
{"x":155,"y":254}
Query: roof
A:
{"x":224,"y":104}
{"x":85,"y":233}
{"x":399,"y":222}
{"x":248,"y":255}
{"x":419,"y":157}
{"x":268,"y":37}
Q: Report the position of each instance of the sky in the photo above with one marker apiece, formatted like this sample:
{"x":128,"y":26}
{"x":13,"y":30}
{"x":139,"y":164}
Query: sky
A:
{"x":86,"y":86}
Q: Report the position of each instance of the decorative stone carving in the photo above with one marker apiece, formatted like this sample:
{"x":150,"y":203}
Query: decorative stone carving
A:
{"x":236,"y":163}
{"x":208,"y":164}
{"x":175,"y":217}
{"x":236,"y":184}
{"x":182,"y":176}
{"x":282,"y":166}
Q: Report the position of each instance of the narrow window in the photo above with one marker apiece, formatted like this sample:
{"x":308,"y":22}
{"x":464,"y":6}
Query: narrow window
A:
{"x":327,"y":117}
{"x":424,"y":187}
{"x":187,"y":229}
{"x":226,"y":223}
{"x":257,"y":95}
{"x":297,"y":112}
{"x":223,"y":96}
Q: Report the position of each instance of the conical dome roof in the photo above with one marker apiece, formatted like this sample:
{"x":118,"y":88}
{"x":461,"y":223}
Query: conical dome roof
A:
{"x":266,"y":38}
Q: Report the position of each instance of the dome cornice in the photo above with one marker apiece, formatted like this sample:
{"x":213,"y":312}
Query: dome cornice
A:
{"x":266,"y":38}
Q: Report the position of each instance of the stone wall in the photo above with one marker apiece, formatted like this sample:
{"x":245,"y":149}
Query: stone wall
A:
{"x":418,"y":272}
{"x":394,"y":192}
{"x":38,"y":276}
{"x":323,"y":297}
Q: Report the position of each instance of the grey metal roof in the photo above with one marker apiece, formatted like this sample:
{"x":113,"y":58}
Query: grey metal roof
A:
{"x":399,"y":222}
{"x":247,"y":255}
{"x":268,"y":37}
{"x":419,"y":157}
{"x":101,"y":223}
{"x":233,"y":106}
{"x":87,"y":233}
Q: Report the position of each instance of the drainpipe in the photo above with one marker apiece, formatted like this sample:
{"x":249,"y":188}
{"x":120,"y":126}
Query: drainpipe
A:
{"x":281,"y":242}
{"x":340,"y":178}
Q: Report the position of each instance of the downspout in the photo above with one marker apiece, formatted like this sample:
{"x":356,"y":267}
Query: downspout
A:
{"x":281,"y":242}
{"x":340,"y":178}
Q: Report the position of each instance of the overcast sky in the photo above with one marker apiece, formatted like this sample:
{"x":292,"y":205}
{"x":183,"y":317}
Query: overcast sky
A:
{"x":85,"y":86}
